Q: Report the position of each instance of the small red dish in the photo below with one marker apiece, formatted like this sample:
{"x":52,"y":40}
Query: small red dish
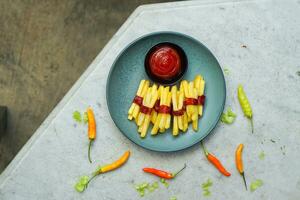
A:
{"x":166,"y":63}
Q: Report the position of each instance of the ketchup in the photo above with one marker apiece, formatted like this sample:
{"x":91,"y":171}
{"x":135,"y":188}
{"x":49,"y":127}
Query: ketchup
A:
{"x":165,"y":62}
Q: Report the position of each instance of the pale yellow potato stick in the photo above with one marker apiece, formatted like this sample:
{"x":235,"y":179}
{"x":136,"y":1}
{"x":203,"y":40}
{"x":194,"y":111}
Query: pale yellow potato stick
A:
{"x":195,"y":125}
{"x":160,"y":119}
{"x":162,"y":130}
{"x":163,"y":100}
{"x":153,"y":116}
{"x":180,"y":105}
{"x":168,"y":115}
{"x":199,"y":85}
{"x":202,"y":87}
{"x":150,"y":104}
{"x":138,"y":93}
{"x":175,"y":126}
{"x":146,"y":102}
{"x":143,"y":93}
{"x":175,"y":108}
{"x":187,"y":94}
{"x":195,"y":107}
{"x":185,"y":122}
{"x":156,"y":124}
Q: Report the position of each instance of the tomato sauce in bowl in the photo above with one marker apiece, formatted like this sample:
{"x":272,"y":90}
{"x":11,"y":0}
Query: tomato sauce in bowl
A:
{"x":165,"y":63}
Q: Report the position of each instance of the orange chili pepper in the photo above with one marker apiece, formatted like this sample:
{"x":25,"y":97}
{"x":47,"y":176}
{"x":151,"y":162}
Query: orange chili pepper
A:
{"x":163,"y":174}
{"x":106,"y":168}
{"x":239,"y":162}
{"x":118,"y":163}
{"x":213,"y":160}
{"x":91,"y":130}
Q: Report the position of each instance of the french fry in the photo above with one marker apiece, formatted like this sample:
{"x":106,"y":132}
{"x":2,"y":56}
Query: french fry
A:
{"x":166,"y":98}
{"x":133,"y":105}
{"x":163,"y":121}
{"x":175,"y":108}
{"x":154,"y":113}
{"x":199,"y":85}
{"x":134,"y":109}
{"x":151,"y":97}
{"x":184,"y":118}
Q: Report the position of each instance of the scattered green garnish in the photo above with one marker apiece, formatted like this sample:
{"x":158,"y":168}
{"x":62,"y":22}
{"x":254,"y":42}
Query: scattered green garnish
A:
{"x":226,"y":71}
{"x":155,"y":185}
{"x":82,"y":183}
{"x":256,"y":184}
{"x":77,"y":116}
{"x":228,"y":117}
{"x":85,"y":118}
{"x":143,"y":187}
{"x":205,"y":187}
{"x":261,"y":155}
{"x":164,"y":182}
{"x":173,"y":198}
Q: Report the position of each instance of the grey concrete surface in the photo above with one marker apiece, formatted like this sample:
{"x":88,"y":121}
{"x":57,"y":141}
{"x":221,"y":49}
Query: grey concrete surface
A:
{"x":52,"y":160}
{"x":44,"y":47}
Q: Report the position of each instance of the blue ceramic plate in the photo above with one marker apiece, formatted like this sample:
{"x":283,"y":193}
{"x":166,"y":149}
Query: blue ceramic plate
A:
{"x":127,"y":72}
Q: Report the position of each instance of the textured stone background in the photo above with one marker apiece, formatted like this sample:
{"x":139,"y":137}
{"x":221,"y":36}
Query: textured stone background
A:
{"x":44,"y":47}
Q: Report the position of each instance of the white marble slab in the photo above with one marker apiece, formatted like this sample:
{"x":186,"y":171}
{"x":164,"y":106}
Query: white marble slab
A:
{"x":49,"y":164}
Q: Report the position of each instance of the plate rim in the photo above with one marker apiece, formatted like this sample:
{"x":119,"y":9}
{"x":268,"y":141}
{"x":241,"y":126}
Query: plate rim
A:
{"x":113,"y":66}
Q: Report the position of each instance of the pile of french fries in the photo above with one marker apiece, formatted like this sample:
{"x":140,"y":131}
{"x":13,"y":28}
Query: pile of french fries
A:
{"x":157,"y":103}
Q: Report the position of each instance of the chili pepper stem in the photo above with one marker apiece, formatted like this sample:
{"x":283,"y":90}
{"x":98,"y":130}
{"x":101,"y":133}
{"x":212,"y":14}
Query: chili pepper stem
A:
{"x":89,"y":151}
{"x":94,"y":175}
{"x":175,"y":174}
{"x":243,"y":175}
{"x":204,"y":149}
{"x":252,"y":127}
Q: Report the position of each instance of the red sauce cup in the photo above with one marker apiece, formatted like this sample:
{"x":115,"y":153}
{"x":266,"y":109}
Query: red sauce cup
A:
{"x":166,"y":63}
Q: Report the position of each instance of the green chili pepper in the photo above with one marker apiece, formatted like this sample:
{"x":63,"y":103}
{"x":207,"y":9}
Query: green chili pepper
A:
{"x":246,"y":107}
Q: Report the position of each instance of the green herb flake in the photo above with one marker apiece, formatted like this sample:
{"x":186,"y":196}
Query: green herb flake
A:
{"x":272,"y":140}
{"x":82,"y":183}
{"x":206,"y":193}
{"x":79,"y":187}
{"x":162,"y":180}
{"x":261,"y":156}
{"x":166,"y":184}
{"x":226,"y":71}
{"x":77,"y":116}
{"x":256,"y":184}
{"x":173,"y":198}
{"x":206,"y":186}
{"x":228,"y":117}
{"x":142,"y":193}
{"x":85,"y":118}
{"x":155,"y":185}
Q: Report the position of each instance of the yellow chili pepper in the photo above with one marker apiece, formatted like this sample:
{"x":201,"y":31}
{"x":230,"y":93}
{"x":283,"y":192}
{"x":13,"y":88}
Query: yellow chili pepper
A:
{"x":118,"y":163}
{"x":239,"y":162}
{"x":91,"y":130}
{"x":244,"y":102}
{"x":85,"y":180}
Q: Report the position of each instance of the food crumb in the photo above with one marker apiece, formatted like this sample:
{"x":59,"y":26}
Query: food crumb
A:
{"x":244,"y":46}
{"x":272,"y":140}
{"x":262,"y":155}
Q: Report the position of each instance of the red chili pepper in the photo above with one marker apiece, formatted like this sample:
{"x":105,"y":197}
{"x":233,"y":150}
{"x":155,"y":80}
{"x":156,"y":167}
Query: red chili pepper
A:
{"x":213,"y":160}
{"x":163,"y":174}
